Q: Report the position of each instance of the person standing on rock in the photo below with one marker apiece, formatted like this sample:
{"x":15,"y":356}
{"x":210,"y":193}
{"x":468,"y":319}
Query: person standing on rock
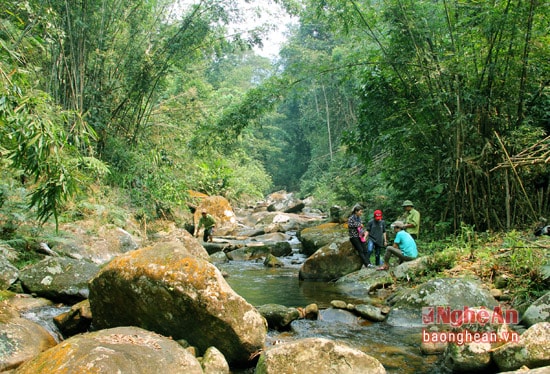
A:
{"x":355,"y":224}
{"x":208,"y":222}
{"x":376,"y":236}
{"x":404,"y":246}
{"x":411,"y":219}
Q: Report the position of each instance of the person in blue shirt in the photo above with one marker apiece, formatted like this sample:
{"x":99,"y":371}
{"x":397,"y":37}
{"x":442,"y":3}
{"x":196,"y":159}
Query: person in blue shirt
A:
{"x":404,"y":246}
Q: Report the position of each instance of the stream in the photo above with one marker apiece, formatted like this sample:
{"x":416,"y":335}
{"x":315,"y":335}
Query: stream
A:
{"x":398,"y":349}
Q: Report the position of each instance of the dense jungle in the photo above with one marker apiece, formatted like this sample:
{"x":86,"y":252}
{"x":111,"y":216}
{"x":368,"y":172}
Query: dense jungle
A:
{"x":121,"y":110}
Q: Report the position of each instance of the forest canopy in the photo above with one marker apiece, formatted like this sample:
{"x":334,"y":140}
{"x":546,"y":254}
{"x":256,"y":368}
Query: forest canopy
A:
{"x":443,"y":103}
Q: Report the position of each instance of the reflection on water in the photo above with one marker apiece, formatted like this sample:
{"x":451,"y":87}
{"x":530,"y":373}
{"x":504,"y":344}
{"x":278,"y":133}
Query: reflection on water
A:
{"x":398,"y":349}
{"x":261,"y":285}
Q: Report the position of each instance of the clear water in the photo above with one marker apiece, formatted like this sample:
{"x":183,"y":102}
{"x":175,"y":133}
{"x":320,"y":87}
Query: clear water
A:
{"x":398,"y":349}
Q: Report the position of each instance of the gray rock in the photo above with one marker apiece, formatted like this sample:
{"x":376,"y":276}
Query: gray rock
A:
{"x":317,"y":355}
{"x":456,"y":293}
{"x":537,"y":312}
{"x":59,"y":279}
{"x":278,"y":316}
{"x":532,"y":349}
{"x":8,"y":273}
{"x":370,"y":312}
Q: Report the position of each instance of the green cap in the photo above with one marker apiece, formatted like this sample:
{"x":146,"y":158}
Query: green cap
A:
{"x":407,"y":203}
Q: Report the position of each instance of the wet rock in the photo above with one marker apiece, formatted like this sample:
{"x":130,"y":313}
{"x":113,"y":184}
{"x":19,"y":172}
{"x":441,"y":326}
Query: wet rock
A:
{"x":316,"y":355}
{"x":273,"y":262}
{"x":278,"y":317}
{"x":171,"y":292}
{"x":370,"y":312}
{"x":117,"y":350}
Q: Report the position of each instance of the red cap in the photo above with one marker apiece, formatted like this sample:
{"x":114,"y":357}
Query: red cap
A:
{"x":378,"y":215}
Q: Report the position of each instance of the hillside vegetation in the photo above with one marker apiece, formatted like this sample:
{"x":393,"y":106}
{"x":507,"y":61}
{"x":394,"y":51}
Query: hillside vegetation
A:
{"x":135,"y":103}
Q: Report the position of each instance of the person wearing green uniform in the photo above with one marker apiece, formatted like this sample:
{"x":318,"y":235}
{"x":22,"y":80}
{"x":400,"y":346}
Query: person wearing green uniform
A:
{"x":208,"y":222}
{"x":411,"y":219}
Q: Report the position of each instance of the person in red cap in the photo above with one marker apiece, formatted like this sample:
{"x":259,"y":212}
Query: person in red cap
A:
{"x":376,"y":235}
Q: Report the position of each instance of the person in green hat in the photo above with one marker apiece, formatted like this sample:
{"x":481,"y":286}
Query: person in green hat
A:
{"x":411,"y":219}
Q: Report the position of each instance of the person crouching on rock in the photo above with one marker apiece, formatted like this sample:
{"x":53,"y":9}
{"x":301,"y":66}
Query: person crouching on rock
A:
{"x":208,"y":222}
{"x":404,"y":246}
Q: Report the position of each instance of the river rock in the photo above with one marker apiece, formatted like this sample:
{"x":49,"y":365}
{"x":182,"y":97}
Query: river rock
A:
{"x":370,"y":312}
{"x":221,"y":210}
{"x":117,"y":350}
{"x":408,"y":269}
{"x":59,"y":279}
{"x":468,"y":358}
{"x":179,"y":238}
{"x":75,"y":321}
{"x":532,"y":349}
{"x":278,"y":316}
{"x":314,"y":238}
{"x":316,"y":355}
{"x":84,"y":240}
{"x":213,"y":362}
{"x":331,"y":262}
{"x":408,"y":305}
{"x":171,"y":292}
{"x":360,"y":283}
{"x":537,"y":312}
{"x":20,"y":339}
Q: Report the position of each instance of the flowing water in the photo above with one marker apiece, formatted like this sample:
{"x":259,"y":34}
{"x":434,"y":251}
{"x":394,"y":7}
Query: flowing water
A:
{"x":398,"y":349}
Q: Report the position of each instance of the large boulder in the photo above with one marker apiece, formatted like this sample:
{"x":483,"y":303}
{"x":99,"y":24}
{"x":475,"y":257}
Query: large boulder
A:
{"x":409,"y":306}
{"x":316,"y":355}
{"x":171,"y":292}
{"x":331,"y":262}
{"x":59,"y":279}
{"x":20,"y":339}
{"x":221,"y":210}
{"x":316,"y":237}
{"x":117,"y":350}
